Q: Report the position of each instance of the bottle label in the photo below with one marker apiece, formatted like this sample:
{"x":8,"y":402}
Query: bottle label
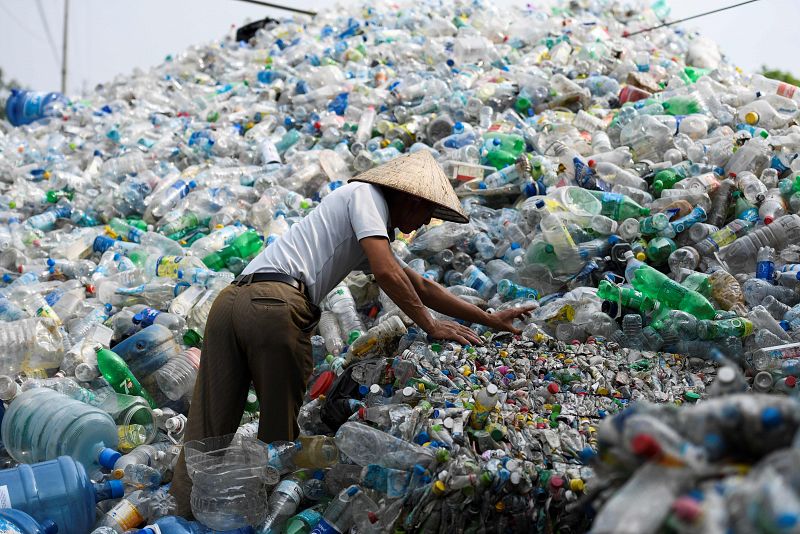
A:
{"x":786,"y":90}
{"x":292,"y":489}
{"x":148,"y":316}
{"x":168,"y":266}
{"x":7,"y":527}
{"x":323,"y":527}
{"x":126,"y":515}
{"x":5,"y":497}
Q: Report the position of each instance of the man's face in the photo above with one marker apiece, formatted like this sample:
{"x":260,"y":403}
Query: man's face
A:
{"x":412,"y":213}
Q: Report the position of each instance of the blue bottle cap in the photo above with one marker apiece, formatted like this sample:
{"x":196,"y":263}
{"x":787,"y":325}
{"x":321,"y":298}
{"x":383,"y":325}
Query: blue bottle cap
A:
{"x":108,"y":457}
{"x":352,"y":490}
{"x":51,"y":262}
{"x":117,"y":488}
{"x":319,"y":474}
{"x":786,"y":521}
{"x":515,"y":246}
{"x":771,"y":417}
{"x":147,"y":530}
{"x":785,"y":324}
{"x":422,"y":437}
{"x":363,"y":390}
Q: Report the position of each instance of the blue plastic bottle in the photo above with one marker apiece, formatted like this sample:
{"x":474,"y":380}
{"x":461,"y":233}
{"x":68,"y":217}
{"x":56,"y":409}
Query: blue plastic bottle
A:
{"x":148,"y":350}
{"x":58,"y":490}
{"x":178,"y":525}
{"x":17,"y":522}
{"x":42,"y":424}
{"x":25,"y":107}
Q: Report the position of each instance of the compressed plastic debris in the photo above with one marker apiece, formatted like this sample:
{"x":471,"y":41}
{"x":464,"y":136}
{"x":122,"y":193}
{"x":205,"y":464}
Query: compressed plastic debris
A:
{"x":639,"y":190}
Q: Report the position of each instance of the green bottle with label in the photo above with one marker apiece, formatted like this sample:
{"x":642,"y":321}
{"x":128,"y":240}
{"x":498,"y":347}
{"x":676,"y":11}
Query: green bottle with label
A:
{"x":119,"y":376}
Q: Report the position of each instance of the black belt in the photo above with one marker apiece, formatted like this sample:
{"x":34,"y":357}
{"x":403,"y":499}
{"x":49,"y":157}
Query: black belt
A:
{"x":245,"y":279}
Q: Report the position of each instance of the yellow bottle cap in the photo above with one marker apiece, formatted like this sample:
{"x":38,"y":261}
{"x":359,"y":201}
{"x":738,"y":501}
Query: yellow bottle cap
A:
{"x":439,"y":487}
{"x":751,"y":118}
{"x":576,"y":484}
{"x":641,"y":256}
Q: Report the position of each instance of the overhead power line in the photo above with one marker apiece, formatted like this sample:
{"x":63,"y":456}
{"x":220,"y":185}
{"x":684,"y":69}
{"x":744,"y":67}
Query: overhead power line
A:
{"x":47,"y":30}
{"x":277,"y":6}
{"x":664,"y":25}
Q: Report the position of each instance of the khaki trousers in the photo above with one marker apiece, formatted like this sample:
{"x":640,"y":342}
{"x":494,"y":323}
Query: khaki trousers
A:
{"x":260,"y":332}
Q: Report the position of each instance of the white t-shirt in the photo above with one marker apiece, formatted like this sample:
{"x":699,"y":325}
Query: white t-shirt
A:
{"x":323,"y":248}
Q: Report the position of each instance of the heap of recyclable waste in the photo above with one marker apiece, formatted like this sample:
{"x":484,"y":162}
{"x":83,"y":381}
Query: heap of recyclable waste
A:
{"x":639,"y":190}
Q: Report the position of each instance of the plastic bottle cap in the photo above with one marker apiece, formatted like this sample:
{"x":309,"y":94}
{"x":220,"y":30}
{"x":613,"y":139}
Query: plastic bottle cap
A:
{"x":791,"y":381}
{"x":117,"y":488}
{"x":576,"y":484}
{"x":439,"y":487}
{"x":771,"y":417}
{"x":687,"y":509}
{"x":491,"y":389}
{"x":645,"y":445}
{"x":322,"y":384}
{"x":726,"y":375}
{"x":768,"y":219}
{"x":108,"y":457}
{"x":553,"y":388}
{"x":751,"y":118}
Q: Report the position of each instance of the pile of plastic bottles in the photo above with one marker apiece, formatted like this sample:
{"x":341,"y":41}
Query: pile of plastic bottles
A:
{"x":640,"y":190}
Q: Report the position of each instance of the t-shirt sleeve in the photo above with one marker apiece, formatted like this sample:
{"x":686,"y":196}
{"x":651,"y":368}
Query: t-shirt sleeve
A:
{"x":369,"y":213}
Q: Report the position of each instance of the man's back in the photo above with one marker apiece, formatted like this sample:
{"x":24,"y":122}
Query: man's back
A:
{"x":324,"y":247}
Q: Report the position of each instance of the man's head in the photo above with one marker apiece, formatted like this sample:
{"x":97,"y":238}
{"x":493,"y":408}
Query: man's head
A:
{"x":407,"y":212}
{"x":416,"y":189}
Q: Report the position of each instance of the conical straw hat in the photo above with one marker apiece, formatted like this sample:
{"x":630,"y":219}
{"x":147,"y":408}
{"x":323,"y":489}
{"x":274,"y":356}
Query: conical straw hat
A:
{"x":418,"y":174}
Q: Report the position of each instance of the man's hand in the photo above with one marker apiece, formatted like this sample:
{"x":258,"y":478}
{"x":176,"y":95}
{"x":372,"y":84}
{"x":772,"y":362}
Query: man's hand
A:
{"x":451,"y":331}
{"x":504,"y":319}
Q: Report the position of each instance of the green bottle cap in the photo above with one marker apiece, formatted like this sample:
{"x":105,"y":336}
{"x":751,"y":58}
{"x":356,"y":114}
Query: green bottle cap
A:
{"x":193,"y":339}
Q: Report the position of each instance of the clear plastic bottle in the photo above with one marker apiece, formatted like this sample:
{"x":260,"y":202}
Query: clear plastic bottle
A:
{"x":177,"y":377}
{"x":341,"y":302}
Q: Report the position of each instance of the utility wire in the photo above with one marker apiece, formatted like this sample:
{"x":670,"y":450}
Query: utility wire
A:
{"x":690,"y":18}
{"x":21,"y":24}
{"x":277,"y":6}
{"x":47,"y":30}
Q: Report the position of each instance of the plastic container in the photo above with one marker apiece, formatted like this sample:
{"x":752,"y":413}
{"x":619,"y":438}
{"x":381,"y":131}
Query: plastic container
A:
{"x":42,"y":424}
{"x":57,"y":490}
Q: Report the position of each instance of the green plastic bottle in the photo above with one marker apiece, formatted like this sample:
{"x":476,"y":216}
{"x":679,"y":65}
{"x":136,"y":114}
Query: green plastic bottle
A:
{"x":667,"y":178}
{"x":124,"y":230}
{"x":625,"y":296}
{"x":188,"y":221}
{"x":665,"y":290}
{"x":119,"y":376}
{"x":511,"y":143}
{"x":619,"y":207}
{"x":245,"y":246}
{"x":736,"y":327}
{"x":681,"y":105}
{"x":699,"y":282}
{"x":653,"y":224}
{"x":659,"y":249}
{"x":499,"y":159}
{"x":542,"y":253}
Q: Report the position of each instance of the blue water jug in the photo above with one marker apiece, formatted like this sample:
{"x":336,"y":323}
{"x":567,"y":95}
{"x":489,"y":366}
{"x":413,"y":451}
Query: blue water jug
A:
{"x":17,"y":522}
{"x":148,"y":350}
{"x":25,"y":107}
{"x":58,"y":490}
{"x":177,"y":525}
{"x":42,"y":424}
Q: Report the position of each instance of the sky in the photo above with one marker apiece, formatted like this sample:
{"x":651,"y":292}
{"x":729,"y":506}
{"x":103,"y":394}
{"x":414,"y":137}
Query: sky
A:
{"x":111,"y":37}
